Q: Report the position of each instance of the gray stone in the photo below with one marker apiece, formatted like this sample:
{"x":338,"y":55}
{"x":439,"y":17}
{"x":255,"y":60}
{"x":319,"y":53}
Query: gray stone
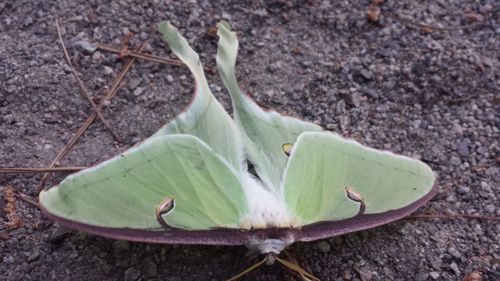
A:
{"x":121,"y":246}
{"x":108,"y":70}
{"x":34,"y":256}
{"x":138,"y":91}
{"x":73,"y":255}
{"x":421,"y":276}
{"x":340,"y":107}
{"x":149,"y":267}
{"x":477,"y":229}
{"x":463,"y":147}
{"x":463,"y":190}
{"x":11,"y":89}
{"x":434,"y":275}
{"x":366,"y":74}
{"x":452,"y":250}
{"x":86,"y":47}
{"x":491,"y":171}
{"x":364,"y":272}
{"x":134,"y":82}
{"x":131,"y":274}
{"x":455,"y":161}
{"x":324,"y":247}
{"x":274,"y":67}
{"x":455,"y":269}
{"x":355,"y":99}
{"x":8,"y":259}
{"x":490,"y":209}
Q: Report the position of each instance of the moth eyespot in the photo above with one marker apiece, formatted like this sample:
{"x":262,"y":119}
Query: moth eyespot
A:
{"x":287,"y":148}
{"x":353,"y":194}
{"x":165,"y":205}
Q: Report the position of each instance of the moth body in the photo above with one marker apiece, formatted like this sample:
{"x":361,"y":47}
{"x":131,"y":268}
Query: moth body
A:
{"x":266,"y":209}
{"x":270,"y":246}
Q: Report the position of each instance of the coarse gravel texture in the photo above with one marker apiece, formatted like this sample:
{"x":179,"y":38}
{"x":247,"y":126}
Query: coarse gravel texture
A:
{"x":433,"y":96}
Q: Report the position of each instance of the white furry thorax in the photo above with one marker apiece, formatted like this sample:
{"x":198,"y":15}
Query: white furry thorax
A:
{"x":265,"y":208}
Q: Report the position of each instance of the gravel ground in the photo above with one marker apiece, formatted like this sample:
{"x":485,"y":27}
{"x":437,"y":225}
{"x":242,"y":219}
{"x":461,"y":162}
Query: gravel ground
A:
{"x":434,"y":96}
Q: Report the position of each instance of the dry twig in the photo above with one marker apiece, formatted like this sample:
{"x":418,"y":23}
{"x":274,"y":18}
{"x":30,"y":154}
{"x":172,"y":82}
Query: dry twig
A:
{"x":139,"y":55}
{"x":39,"y":170}
{"x":85,"y":90}
{"x":111,"y":93}
{"x":28,"y":200}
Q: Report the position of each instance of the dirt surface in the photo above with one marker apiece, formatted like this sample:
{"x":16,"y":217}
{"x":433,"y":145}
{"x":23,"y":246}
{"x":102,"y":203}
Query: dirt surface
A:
{"x":434,"y":96}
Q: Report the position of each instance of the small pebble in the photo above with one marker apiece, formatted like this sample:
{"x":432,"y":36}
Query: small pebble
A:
{"x":108,"y":70}
{"x":421,"y":276}
{"x":131,"y":274}
{"x":121,"y":246}
{"x":434,"y":275}
{"x":86,"y":47}
{"x":34,"y":256}
{"x":134,"y":82}
{"x":138,"y":91}
{"x":455,"y":269}
{"x":149,"y":267}
{"x":454,"y":252}
{"x":324,"y":247}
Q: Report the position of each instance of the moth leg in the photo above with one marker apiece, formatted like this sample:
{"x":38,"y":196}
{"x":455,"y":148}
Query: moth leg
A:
{"x":293,"y":265}
{"x":246,"y":271}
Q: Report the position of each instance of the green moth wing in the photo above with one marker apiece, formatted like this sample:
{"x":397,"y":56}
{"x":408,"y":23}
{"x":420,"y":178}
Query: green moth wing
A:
{"x":125,"y":190}
{"x":330,"y":178}
{"x":205,"y":117}
{"x":264,"y":132}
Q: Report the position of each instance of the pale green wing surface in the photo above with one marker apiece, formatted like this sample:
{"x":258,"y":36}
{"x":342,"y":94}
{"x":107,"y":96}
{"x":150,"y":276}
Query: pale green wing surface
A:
{"x":264,"y":132}
{"x":322,"y":165}
{"x":205,"y":117}
{"x":125,"y":190}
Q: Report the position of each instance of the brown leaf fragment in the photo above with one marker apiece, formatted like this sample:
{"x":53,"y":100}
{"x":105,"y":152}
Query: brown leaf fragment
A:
{"x":4,"y":235}
{"x":373,"y":13}
{"x":212,"y":32}
{"x":474,"y":17}
{"x":123,"y":53}
{"x":473,"y":276}
{"x":426,"y":29}
{"x":14,"y":221}
{"x":126,"y":39}
{"x":346,"y":275}
{"x":296,"y":51}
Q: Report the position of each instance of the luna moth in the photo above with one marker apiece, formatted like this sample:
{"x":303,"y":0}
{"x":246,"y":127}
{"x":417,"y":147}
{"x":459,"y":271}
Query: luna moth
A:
{"x":190,"y":182}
